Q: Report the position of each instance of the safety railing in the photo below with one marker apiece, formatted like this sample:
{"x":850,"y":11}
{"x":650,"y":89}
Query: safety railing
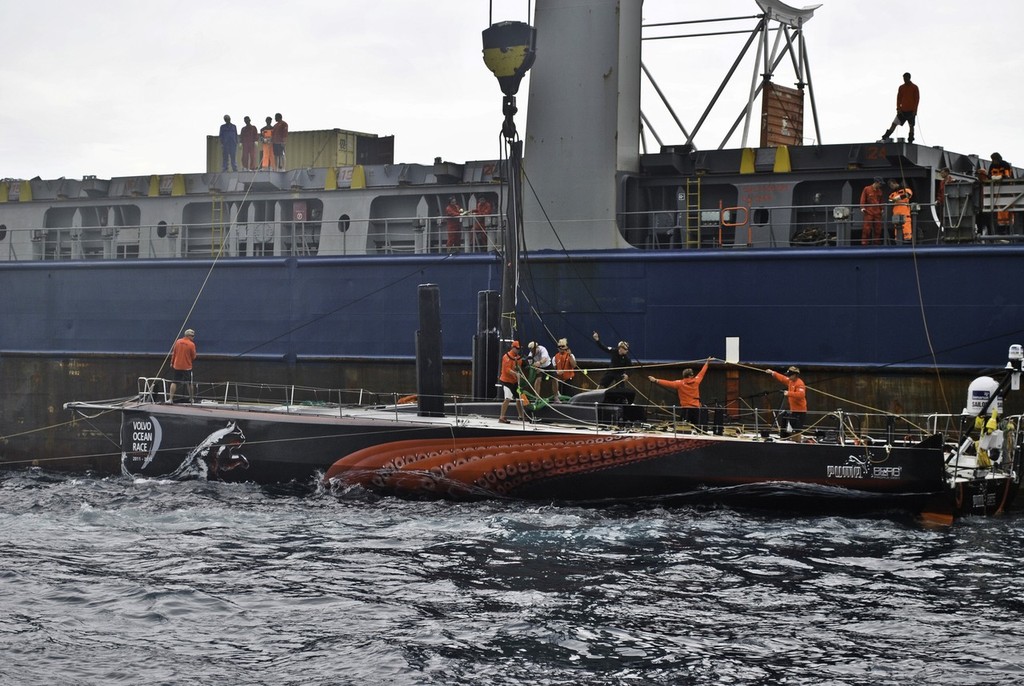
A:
{"x":782,"y":226}
{"x":389,"y":235}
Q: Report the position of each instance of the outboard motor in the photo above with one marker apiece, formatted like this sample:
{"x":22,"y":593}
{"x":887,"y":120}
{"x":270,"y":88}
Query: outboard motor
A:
{"x":979,"y":397}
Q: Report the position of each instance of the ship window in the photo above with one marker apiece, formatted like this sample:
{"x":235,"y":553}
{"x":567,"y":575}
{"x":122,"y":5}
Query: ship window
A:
{"x":161,"y":229}
{"x":3,"y":231}
{"x":760,"y":216}
{"x":343,"y":222}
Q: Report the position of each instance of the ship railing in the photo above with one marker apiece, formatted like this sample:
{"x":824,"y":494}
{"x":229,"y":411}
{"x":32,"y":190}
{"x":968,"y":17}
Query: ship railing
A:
{"x":260,"y":238}
{"x":781,"y":226}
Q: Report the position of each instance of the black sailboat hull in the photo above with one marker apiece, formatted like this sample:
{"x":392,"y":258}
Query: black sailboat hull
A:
{"x":401,"y":454}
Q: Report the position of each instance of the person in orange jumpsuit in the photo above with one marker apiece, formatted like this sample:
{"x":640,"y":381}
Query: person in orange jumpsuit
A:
{"x":688,"y":389}
{"x":900,"y":196}
{"x":796,"y":393}
{"x":267,"y":143}
{"x":907,"y":99}
{"x":454,"y":223}
{"x":997,"y":171}
{"x":511,"y":363}
{"x":483,"y":208}
{"x":565,"y":368}
{"x":183,"y":354}
{"x":871,"y":202}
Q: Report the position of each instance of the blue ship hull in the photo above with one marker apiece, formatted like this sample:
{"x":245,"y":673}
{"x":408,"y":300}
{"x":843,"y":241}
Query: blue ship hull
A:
{"x":851,"y":307}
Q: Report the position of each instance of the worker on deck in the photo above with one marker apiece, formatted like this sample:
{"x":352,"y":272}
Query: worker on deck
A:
{"x":999,"y":170}
{"x":871,"y":201}
{"x":687,"y":387}
{"x":511,"y":366}
{"x":796,"y":394}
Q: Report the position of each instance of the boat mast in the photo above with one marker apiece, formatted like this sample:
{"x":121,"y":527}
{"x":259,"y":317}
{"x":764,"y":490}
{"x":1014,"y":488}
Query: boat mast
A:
{"x":509,"y":51}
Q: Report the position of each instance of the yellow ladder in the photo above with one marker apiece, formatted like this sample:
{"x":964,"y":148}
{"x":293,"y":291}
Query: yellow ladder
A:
{"x":691,"y":215}
{"x":217,"y":227}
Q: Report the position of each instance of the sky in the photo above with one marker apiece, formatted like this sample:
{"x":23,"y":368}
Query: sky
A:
{"x":123,"y":88}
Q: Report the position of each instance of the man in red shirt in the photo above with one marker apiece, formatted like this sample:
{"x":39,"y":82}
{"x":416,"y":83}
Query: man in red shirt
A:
{"x":183,"y":354}
{"x":907,"y":98}
{"x":279,"y":136}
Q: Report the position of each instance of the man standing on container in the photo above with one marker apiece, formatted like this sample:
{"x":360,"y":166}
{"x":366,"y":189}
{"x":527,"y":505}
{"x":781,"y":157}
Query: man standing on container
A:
{"x":228,"y":144}
{"x":183,"y":354}
{"x":871,"y":201}
{"x":248,"y":137}
{"x":796,"y":394}
{"x":267,"y":145}
{"x":907,"y":98}
{"x":279,"y":137}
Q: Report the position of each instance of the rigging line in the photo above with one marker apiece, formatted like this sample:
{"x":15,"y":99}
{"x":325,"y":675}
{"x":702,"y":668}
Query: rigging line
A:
{"x":209,"y":272}
{"x":920,"y":303}
{"x":385,"y":287}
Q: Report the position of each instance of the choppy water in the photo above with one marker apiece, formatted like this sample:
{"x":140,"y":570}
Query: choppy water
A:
{"x":110,"y":581}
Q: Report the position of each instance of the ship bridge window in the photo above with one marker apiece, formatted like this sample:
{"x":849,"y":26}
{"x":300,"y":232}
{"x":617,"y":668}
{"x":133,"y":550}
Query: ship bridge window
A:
{"x":3,"y":231}
{"x":759,"y":216}
{"x":343,"y":222}
{"x":161,"y":229}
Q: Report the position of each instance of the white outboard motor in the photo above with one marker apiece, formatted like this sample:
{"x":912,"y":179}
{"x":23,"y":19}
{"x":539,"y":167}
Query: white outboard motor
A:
{"x":978,"y":394}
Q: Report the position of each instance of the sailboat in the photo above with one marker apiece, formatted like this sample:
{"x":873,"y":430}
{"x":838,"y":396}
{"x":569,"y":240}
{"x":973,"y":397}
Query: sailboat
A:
{"x":598,"y":446}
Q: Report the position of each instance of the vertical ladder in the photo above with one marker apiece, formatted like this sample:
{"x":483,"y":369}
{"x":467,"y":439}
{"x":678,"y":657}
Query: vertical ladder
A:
{"x":691,"y":215}
{"x":217,"y":228}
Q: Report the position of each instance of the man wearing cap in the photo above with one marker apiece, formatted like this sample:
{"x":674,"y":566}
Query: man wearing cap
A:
{"x":796,"y":393}
{"x":872,"y":202}
{"x":511,"y":363}
{"x":617,"y":365}
{"x":565,"y":368}
{"x":183,"y":354}
{"x":540,"y":365}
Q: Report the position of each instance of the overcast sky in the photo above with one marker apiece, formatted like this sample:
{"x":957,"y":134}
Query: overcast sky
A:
{"x":120,"y":88}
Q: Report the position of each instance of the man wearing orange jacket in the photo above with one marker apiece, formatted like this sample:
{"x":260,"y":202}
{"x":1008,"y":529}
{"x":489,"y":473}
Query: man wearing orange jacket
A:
{"x":907,"y":99}
{"x":796,"y":394}
{"x":565,"y":368}
{"x":511,"y":364}
{"x":688,"y":389}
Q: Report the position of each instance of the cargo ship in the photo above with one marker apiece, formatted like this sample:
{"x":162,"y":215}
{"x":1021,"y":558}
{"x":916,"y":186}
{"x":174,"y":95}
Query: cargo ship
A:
{"x":308,"y":275}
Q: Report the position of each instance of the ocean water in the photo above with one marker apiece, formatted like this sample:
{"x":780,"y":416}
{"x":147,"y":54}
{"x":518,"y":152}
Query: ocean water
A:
{"x":114,"y":581}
